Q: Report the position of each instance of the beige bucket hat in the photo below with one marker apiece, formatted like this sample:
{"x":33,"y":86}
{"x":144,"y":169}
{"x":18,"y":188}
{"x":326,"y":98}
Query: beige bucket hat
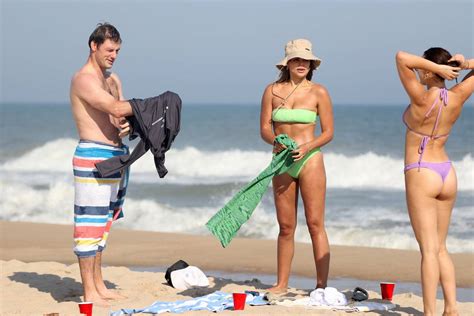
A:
{"x":300,"y":48}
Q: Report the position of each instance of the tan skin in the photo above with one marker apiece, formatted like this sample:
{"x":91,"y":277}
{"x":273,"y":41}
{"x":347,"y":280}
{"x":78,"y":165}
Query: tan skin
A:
{"x":96,"y":100}
{"x":312,"y":179}
{"x":430,"y":201}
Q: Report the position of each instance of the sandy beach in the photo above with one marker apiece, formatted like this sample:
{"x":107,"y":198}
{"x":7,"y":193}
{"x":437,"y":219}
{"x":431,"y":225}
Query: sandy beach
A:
{"x":40,"y":273}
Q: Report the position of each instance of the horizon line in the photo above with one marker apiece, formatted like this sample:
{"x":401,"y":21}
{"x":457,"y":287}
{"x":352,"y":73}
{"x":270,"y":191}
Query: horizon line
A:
{"x":23,"y":103}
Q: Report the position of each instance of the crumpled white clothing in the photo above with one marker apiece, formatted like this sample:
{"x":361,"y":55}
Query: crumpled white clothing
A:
{"x":329,"y":296}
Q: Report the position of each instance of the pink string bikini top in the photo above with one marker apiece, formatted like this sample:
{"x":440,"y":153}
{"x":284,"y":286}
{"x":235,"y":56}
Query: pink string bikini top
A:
{"x":443,"y":95}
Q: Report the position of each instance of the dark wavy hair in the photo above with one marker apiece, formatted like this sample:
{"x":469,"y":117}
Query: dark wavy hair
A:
{"x":440,"y":56}
{"x":102,"y":32}
{"x":285,"y":73}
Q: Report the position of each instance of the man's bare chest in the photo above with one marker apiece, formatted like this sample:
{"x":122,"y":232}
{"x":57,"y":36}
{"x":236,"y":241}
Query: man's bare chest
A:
{"x":111,"y":87}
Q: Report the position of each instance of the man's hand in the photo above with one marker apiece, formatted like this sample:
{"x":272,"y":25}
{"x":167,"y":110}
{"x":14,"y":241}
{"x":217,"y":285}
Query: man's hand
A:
{"x":124,"y":128}
{"x":121,"y":124}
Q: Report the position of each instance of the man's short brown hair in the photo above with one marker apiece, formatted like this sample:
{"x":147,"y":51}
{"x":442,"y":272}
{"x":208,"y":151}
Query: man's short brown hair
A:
{"x":102,"y":32}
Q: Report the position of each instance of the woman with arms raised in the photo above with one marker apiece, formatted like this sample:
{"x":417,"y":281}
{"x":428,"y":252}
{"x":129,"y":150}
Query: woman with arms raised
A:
{"x":291,"y":106}
{"x":430,"y":178}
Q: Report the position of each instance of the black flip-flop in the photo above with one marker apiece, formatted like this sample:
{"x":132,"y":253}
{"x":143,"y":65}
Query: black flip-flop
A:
{"x":359,"y":294}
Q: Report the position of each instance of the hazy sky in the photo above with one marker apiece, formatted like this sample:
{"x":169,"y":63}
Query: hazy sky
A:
{"x":224,"y":51}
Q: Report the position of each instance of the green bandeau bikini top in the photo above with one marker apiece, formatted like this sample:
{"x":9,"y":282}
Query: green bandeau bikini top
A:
{"x":294,"y":116}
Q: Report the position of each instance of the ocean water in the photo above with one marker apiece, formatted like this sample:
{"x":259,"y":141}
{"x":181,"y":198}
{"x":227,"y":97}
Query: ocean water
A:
{"x":217,"y":152}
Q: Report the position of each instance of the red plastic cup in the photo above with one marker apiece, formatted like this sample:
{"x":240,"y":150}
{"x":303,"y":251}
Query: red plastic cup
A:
{"x":239,"y":300}
{"x":85,"y":308}
{"x":387,"y":289}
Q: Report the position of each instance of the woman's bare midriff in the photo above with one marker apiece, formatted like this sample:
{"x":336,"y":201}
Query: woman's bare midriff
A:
{"x":300,"y":133}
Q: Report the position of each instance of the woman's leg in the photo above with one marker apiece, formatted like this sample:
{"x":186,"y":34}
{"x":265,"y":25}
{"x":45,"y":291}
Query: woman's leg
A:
{"x":285,"y":190}
{"x":422,"y":189}
{"x":446,"y":268}
{"x":312,"y":181}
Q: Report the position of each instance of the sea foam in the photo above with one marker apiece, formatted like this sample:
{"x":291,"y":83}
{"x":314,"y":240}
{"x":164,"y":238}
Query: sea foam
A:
{"x":54,"y":204}
{"x":193,"y":166}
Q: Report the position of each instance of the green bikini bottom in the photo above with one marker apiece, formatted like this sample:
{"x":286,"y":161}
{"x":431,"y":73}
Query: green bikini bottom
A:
{"x":296,"y":167}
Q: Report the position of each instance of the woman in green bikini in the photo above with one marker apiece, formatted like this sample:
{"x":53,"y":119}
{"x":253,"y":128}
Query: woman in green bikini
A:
{"x":291,"y":106}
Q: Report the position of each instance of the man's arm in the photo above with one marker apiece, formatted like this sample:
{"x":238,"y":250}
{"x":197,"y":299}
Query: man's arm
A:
{"x":88,"y":88}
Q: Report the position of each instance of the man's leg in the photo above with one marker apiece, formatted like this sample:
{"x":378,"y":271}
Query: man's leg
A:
{"x":92,"y":215}
{"x":87,"y":267}
{"x":117,"y":198}
{"x":98,"y":280}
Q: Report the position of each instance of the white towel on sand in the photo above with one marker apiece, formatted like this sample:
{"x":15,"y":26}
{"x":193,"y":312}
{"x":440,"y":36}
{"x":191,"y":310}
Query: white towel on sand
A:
{"x":329,"y":296}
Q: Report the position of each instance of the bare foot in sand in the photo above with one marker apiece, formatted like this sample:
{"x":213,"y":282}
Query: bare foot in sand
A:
{"x":278,"y":290}
{"x":111,"y":295}
{"x":97,"y":300}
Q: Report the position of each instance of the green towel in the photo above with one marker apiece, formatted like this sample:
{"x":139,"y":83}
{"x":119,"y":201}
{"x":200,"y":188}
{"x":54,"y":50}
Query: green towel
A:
{"x":228,"y":220}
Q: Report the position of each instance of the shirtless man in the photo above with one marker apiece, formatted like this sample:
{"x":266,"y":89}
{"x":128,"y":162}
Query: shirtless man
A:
{"x":99,"y":111}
